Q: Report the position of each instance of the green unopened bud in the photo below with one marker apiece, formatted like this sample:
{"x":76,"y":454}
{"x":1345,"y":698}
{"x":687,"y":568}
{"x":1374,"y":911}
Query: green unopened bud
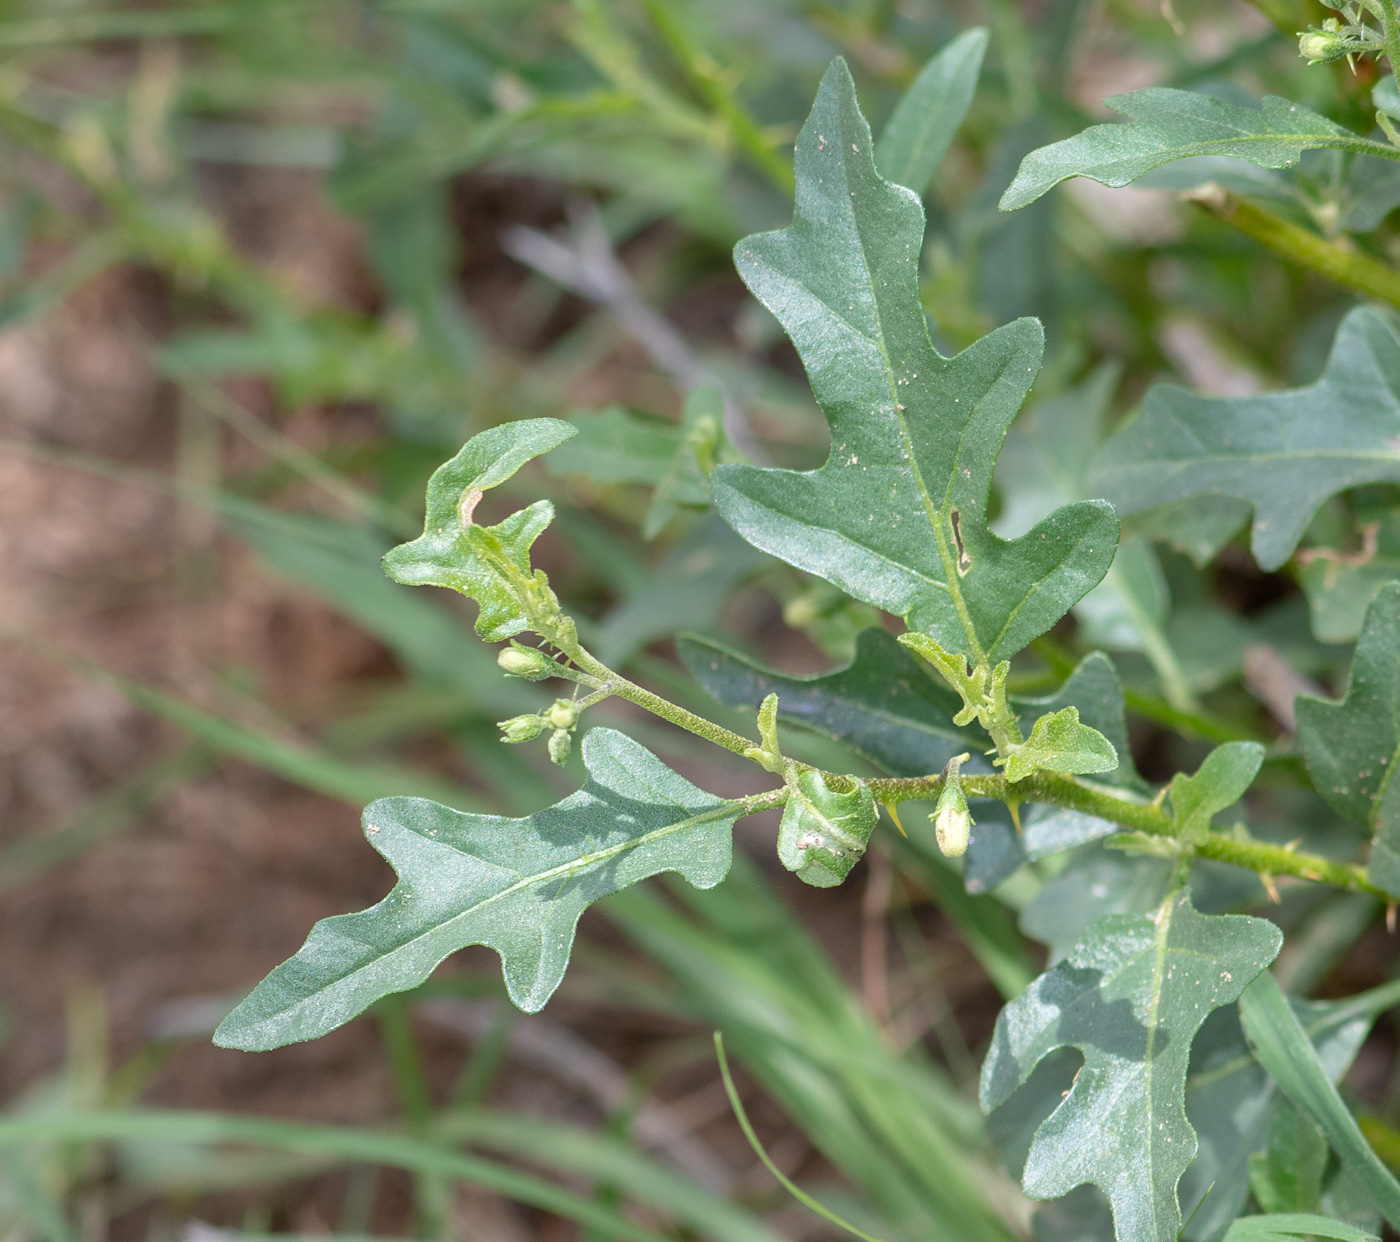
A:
{"x":563,"y":714}
{"x":520,"y":728}
{"x":561,"y":742}
{"x":1320,"y":45}
{"x":952,"y":822}
{"x":801,"y":611}
{"x":517,"y":661}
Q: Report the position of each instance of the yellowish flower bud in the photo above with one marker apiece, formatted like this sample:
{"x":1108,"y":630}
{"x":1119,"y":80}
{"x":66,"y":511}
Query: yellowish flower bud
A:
{"x":522,"y":662}
{"x":563,"y":714}
{"x":952,"y":826}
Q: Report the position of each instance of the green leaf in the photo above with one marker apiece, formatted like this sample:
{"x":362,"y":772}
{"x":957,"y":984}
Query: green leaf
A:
{"x":1130,"y":995}
{"x":686,"y":478}
{"x":454,"y":552}
{"x":1230,"y":1099}
{"x":924,"y":122}
{"x":1352,"y":747}
{"x":883,"y":705}
{"x":824,"y":831}
{"x":1220,"y":781}
{"x":1061,"y":744}
{"x":1284,"y":453}
{"x":1283,"y":1048}
{"x":1171,"y":125}
{"x":515,"y":885}
{"x":1286,"y":1226}
{"x":896,"y":517}
{"x":997,"y":849}
{"x":616,"y":446}
{"x":1287,"y":1175}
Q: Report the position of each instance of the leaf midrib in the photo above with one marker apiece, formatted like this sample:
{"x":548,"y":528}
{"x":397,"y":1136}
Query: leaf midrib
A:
{"x":935,"y":516}
{"x":563,"y":869}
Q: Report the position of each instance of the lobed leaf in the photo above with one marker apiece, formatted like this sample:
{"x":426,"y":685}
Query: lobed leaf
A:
{"x":1170,"y":125}
{"x":918,"y":134}
{"x":1352,"y":747}
{"x":1130,"y":995}
{"x":1060,"y":743}
{"x":1283,"y":453}
{"x":1220,"y":781}
{"x":517,"y":886}
{"x":453,"y":551}
{"x":897,"y":515}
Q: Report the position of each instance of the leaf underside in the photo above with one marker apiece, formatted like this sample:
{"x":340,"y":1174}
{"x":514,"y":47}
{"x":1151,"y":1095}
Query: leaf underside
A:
{"x":897,"y":516}
{"x":1169,"y":125}
{"x":1130,"y":995}
{"x":1283,"y":453}
{"x":517,"y":886}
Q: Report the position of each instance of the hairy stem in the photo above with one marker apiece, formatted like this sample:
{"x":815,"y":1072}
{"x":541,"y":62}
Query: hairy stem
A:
{"x":1055,"y":789}
{"x":1334,"y":260}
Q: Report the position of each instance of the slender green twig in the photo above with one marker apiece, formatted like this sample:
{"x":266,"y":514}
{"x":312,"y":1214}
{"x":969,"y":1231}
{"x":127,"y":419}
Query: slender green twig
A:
{"x":707,"y":79}
{"x":784,"y":1181}
{"x":1338,"y":262}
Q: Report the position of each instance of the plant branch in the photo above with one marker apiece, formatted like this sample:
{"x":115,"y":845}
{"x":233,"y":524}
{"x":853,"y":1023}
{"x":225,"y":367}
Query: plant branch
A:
{"x":1055,"y":789}
{"x":1334,"y":260}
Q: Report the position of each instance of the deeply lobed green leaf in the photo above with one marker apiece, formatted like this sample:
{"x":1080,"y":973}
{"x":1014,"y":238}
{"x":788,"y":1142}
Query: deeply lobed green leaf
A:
{"x":518,"y":886}
{"x":1284,"y":453}
{"x":897,"y":516}
{"x":454,"y":552}
{"x":1130,"y":995}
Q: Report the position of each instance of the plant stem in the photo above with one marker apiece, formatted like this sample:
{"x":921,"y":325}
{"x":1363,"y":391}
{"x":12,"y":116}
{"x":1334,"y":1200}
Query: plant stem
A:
{"x":705,"y":76}
{"x":1390,"y":34}
{"x":1339,"y":263}
{"x":607,"y":682}
{"x":1055,"y":789}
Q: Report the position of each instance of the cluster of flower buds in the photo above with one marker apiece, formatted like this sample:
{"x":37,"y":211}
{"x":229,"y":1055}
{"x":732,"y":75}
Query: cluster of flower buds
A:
{"x":561,"y":716}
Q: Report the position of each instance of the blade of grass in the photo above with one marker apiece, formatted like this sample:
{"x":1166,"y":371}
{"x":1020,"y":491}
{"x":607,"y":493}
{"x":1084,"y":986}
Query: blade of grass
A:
{"x":783,"y":1180}
{"x":351,"y":1145}
{"x":605,"y":1158}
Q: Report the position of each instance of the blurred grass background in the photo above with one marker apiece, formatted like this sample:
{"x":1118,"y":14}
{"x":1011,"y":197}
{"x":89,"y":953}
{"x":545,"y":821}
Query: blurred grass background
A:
{"x":263,"y":265}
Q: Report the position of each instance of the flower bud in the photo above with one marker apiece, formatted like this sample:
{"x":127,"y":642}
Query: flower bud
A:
{"x":952,"y":825}
{"x":517,"y":661}
{"x":1317,"y":46}
{"x":561,"y":742}
{"x":520,"y":728}
{"x":563,"y":714}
